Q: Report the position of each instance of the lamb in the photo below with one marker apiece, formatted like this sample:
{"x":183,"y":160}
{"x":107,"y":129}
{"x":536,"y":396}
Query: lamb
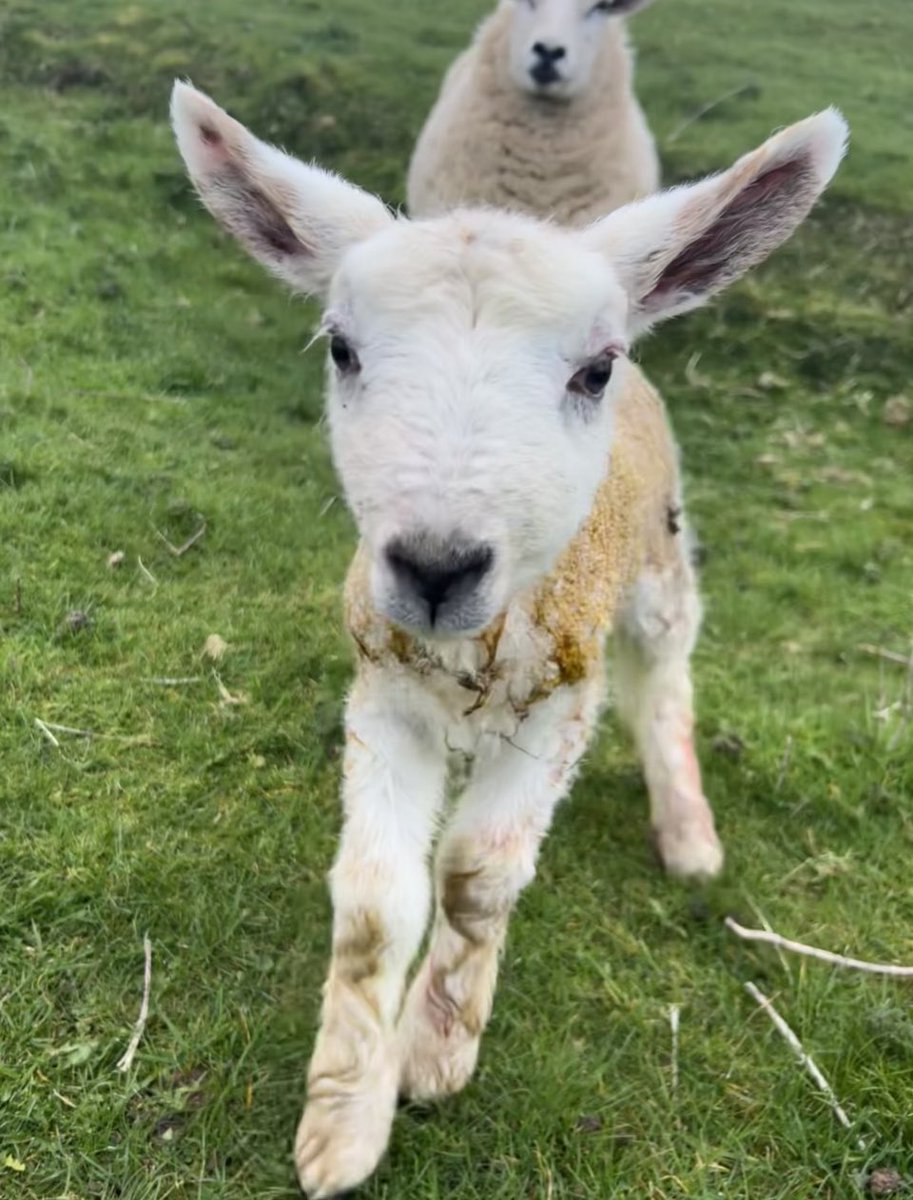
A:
{"x":538,"y":116}
{"x":517,"y":495}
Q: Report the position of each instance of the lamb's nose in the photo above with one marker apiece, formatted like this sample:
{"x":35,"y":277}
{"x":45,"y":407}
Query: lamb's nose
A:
{"x":549,"y":54}
{"x":438,"y":571}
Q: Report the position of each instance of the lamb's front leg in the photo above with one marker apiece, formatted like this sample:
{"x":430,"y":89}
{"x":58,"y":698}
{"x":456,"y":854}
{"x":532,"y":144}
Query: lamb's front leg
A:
{"x":381,"y":891}
{"x":486,"y":857}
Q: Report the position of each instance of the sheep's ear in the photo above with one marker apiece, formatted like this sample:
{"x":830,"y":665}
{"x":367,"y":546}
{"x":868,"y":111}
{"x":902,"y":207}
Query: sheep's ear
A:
{"x":674,"y":250}
{"x":297,"y":220}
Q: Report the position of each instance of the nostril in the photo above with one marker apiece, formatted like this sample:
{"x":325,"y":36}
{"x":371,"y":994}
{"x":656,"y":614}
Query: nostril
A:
{"x":476,"y":563}
{"x":437,"y":573}
{"x":549,"y":54}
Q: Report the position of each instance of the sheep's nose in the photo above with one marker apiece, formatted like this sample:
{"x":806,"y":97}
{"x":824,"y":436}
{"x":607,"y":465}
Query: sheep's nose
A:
{"x":543,"y":70}
{"x":437,"y":571}
{"x":549,"y":54}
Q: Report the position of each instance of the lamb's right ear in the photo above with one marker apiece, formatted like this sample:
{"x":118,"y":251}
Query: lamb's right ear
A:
{"x":674,"y":250}
{"x":297,"y":220}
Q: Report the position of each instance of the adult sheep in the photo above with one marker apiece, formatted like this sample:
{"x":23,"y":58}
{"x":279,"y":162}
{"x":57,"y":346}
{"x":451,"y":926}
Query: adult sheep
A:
{"x":539,"y":116}
{"x":516,"y":490}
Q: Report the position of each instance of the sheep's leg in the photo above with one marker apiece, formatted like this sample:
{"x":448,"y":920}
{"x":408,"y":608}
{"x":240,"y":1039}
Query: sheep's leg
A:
{"x":486,"y":857}
{"x":655,"y":636}
{"x":381,"y":891}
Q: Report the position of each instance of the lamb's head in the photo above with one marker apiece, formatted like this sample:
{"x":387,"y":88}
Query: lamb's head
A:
{"x":554,"y":44}
{"x":475,"y":359}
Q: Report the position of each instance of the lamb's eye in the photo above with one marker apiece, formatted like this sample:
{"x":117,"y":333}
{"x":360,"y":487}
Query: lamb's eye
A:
{"x":343,"y":355}
{"x":604,"y":6}
{"x":592,"y":379}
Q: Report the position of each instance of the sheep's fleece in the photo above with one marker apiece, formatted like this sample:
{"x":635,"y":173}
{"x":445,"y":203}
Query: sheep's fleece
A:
{"x":487,"y":142}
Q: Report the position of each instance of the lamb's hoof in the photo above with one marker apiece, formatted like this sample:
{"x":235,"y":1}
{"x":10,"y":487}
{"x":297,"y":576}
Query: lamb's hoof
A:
{"x":438,"y":1053}
{"x":343,"y":1135}
{"x":434,"y":1067}
{"x":689,"y":848}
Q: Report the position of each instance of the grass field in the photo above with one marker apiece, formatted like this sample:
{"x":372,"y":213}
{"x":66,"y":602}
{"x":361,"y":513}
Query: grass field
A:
{"x":152,"y":379}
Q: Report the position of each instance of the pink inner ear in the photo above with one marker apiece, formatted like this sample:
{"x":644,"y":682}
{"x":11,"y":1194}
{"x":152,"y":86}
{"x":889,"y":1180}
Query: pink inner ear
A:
{"x":213,"y":146}
{"x":760,"y":217}
{"x":250,"y":214}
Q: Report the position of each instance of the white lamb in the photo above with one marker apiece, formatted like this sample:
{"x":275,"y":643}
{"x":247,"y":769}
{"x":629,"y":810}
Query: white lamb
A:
{"x":539,"y":116}
{"x":517,"y":494}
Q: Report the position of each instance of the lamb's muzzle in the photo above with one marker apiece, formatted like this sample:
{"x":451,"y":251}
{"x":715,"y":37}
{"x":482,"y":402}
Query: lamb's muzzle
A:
{"x":439,"y":586}
{"x":513,"y":476}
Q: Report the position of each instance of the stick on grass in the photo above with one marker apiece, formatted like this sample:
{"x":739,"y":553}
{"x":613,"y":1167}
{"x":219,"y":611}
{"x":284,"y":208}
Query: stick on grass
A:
{"x":804,"y":1058}
{"x":702,"y":112}
{"x":837,"y":960}
{"x":174,"y":680}
{"x":125,"y":1062}
{"x":675,"y":1012}
{"x":47,"y":733}
{"x":180,"y":551}
{"x":902,"y":660}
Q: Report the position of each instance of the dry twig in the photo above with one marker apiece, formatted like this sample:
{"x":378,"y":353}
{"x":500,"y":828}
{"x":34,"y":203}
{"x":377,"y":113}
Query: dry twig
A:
{"x":903,"y":660}
{"x":804,"y":1058}
{"x":47,"y":733}
{"x":83,"y":733}
{"x":837,"y":960}
{"x":174,"y":680}
{"x":125,"y":1062}
{"x":675,"y":1012}
{"x":708,"y":108}
{"x":128,"y":739}
{"x":179,"y":551}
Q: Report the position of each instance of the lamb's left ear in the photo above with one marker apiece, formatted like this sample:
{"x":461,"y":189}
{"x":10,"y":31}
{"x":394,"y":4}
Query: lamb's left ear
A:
{"x":297,"y":220}
{"x":674,"y":250}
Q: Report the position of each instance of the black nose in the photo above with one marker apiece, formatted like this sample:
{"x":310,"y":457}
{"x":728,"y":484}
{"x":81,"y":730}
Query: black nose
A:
{"x":544,"y":70}
{"x":438,"y":571}
{"x":549,"y":54}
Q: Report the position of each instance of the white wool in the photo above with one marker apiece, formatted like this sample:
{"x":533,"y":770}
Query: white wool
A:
{"x":489,"y":141}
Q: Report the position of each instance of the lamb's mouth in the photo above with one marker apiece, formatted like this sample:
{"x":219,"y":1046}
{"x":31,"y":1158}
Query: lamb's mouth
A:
{"x":545,"y":75}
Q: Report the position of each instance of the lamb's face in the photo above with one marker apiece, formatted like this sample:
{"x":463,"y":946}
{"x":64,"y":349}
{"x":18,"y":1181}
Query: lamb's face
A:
{"x":471,"y":376}
{"x":470,"y":402}
{"x":554,"y":43}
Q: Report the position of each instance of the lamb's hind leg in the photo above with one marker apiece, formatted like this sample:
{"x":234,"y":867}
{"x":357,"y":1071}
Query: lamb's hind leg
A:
{"x":486,"y":857}
{"x":655,"y":636}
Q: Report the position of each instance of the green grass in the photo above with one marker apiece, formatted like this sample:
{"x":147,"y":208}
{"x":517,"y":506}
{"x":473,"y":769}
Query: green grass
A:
{"x":148,"y":374}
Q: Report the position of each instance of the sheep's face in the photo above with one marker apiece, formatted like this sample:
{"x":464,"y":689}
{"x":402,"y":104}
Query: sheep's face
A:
{"x":472,"y":366}
{"x":554,"y":44}
{"x":475,"y":359}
